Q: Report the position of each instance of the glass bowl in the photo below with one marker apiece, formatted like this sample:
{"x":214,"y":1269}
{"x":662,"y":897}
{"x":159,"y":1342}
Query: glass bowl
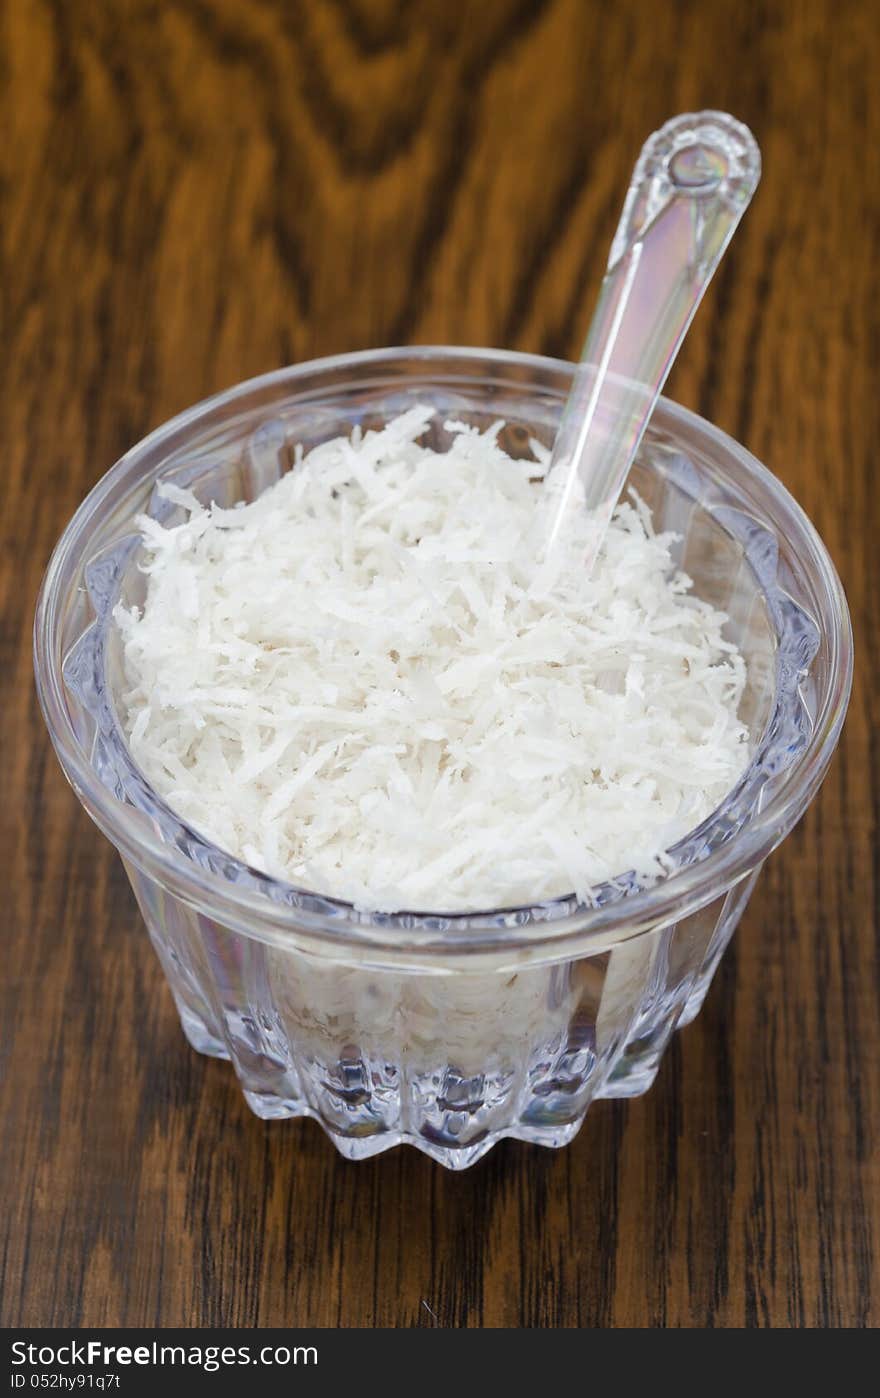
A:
{"x":446,"y":1031}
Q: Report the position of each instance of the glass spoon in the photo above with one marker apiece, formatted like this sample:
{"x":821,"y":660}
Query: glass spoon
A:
{"x":691,"y":185}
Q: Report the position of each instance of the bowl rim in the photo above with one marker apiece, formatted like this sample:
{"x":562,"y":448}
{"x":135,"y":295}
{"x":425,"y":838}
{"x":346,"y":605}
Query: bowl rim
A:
{"x":550,"y":930}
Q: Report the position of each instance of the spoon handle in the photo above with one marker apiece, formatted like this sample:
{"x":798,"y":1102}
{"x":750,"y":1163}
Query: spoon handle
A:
{"x":691,"y":185}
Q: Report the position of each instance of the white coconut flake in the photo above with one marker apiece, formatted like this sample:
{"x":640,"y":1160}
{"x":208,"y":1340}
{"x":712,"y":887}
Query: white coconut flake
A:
{"x":354,"y":684}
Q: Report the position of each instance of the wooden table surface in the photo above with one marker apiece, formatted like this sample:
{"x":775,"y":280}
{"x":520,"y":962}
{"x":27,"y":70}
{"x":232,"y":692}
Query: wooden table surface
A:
{"x":194,"y":191}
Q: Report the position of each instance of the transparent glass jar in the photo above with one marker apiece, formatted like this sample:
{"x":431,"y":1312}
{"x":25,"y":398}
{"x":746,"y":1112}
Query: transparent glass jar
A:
{"x":446,"y":1031}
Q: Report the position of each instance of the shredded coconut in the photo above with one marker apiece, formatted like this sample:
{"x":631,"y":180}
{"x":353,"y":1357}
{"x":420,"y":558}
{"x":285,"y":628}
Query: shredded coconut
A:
{"x":353,"y":684}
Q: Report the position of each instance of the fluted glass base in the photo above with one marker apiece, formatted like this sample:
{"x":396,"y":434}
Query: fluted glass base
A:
{"x":449,"y":1064}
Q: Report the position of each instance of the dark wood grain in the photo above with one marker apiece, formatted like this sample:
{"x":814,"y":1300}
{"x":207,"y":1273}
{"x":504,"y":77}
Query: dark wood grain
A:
{"x":194,"y":191}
